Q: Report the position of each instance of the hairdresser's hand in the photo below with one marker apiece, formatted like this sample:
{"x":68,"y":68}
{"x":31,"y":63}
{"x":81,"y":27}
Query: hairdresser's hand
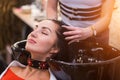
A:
{"x":75,"y":34}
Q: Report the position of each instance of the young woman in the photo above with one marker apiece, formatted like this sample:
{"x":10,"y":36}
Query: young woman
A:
{"x":84,"y":18}
{"x":42,"y":43}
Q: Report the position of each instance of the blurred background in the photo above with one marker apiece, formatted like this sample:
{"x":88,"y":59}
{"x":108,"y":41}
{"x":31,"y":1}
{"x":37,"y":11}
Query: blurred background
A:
{"x":12,"y":28}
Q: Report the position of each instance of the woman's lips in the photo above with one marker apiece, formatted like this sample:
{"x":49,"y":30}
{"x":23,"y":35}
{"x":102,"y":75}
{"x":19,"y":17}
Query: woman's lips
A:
{"x":31,"y":41}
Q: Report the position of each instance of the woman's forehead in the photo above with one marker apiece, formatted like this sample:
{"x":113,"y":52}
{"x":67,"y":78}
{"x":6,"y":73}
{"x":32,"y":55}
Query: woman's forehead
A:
{"x":48,"y":23}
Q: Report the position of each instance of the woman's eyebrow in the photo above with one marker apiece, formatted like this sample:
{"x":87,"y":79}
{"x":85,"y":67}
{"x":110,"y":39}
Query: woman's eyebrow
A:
{"x":47,"y":28}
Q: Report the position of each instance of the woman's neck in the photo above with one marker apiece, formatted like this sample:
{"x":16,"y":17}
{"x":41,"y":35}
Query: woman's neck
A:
{"x":38,"y":57}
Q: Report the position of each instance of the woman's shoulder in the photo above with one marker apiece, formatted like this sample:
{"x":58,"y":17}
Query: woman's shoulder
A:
{"x":13,"y":66}
{"x":16,"y":69}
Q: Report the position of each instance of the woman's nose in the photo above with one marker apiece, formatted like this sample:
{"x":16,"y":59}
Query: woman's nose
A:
{"x":33,"y":34}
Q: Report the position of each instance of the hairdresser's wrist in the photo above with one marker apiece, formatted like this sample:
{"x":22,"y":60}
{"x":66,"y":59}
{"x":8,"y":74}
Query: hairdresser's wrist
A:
{"x":88,"y":32}
{"x":93,"y":29}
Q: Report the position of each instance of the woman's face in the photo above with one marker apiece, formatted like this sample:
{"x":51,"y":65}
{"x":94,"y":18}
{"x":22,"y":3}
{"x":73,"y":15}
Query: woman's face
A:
{"x":42,"y":39}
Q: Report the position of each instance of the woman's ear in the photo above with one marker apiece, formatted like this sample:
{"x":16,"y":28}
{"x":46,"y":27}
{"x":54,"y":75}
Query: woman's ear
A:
{"x":54,"y":50}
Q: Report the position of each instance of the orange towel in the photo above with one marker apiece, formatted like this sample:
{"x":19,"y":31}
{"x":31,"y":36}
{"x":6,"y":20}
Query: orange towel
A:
{"x":9,"y":75}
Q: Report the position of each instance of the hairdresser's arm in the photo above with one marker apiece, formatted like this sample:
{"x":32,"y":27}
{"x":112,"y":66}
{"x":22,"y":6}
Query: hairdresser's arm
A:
{"x":106,"y":14}
{"x":52,"y":9}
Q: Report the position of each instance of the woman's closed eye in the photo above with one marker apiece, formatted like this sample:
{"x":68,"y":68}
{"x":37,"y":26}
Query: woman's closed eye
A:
{"x":44,"y":32}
